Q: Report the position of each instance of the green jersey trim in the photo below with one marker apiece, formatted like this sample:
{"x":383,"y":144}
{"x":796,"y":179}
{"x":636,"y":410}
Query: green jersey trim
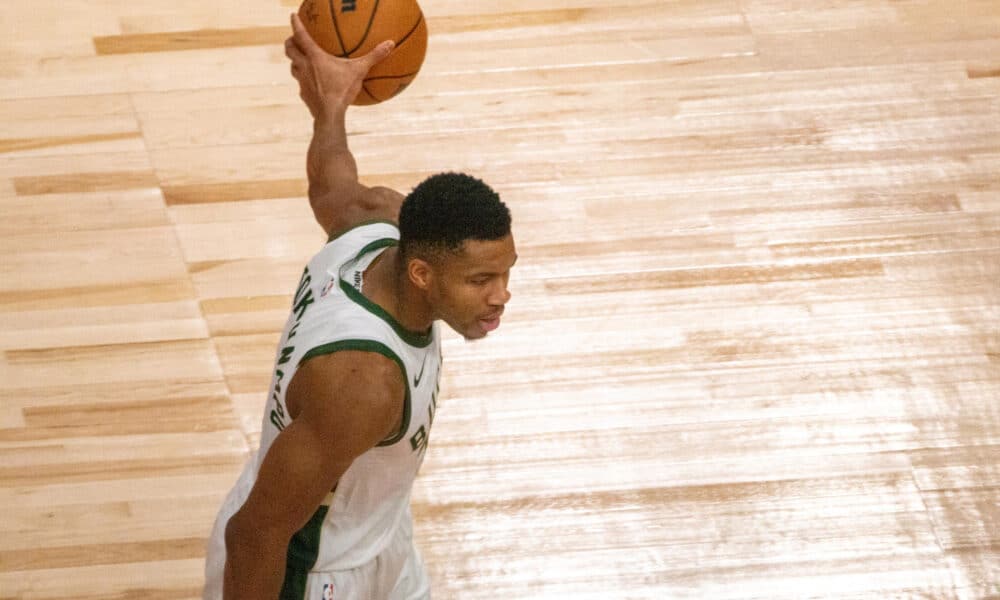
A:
{"x":375,"y":245}
{"x":339,"y":234}
{"x":413,"y":338}
{"x":303,"y":550}
{"x":378,"y":348}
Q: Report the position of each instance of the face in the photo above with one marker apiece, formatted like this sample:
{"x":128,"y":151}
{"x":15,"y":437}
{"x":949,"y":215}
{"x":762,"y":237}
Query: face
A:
{"x":469,"y":289}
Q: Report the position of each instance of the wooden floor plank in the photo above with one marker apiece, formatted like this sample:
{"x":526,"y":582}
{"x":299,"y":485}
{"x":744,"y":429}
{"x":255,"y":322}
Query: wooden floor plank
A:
{"x":752,"y":350}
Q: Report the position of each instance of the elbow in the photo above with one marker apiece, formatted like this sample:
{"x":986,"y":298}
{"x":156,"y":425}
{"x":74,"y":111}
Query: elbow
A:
{"x":317,"y":194}
{"x":236,"y":532}
{"x":244,"y":534}
{"x":319,"y":201}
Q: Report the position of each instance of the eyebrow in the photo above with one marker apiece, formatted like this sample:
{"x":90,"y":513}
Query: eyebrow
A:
{"x":475,"y":274}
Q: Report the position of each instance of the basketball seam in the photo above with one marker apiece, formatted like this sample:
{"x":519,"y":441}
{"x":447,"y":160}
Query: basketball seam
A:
{"x":409,"y":33}
{"x":381,"y":77}
{"x":364,"y":85}
{"x":336,"y":27}
{"x":368,"y":29}
{"x":370,"y":94}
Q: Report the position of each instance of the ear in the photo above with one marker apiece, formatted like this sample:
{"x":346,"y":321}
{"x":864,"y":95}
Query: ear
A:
{"x":420,"y":273}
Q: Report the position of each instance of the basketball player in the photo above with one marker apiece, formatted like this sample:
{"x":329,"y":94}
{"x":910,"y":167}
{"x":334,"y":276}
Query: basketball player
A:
{"x":323,"y":511}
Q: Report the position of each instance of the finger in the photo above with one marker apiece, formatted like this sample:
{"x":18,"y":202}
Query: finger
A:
{"x":377,"y":54}
{"x":293,"y":52}
{"x":302,"y":38}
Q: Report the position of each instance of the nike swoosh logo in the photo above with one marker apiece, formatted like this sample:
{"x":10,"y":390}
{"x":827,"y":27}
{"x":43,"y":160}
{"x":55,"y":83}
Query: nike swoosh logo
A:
{"x":416,"y":380}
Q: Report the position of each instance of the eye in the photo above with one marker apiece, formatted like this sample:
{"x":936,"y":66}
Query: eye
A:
{"x":479,"y":280}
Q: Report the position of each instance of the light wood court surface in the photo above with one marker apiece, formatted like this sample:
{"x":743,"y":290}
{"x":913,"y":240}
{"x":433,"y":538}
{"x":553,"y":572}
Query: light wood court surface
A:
{"x":753,"y":349}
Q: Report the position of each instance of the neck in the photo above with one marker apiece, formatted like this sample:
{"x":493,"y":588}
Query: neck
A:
{"x":387,"y":284}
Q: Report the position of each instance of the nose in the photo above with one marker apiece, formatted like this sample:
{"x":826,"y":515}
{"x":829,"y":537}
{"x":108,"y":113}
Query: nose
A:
{"x":500,"y":295}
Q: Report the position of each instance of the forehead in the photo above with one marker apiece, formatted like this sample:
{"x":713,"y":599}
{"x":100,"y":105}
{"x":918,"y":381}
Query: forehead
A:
{"x":484,"y":255}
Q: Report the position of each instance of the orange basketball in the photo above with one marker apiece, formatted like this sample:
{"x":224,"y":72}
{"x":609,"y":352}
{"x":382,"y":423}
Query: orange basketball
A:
{"x":351,"y":28}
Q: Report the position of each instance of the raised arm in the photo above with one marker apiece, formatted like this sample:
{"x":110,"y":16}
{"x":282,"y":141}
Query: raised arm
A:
{"x":328,"y":85}
{"x":342,"y":405}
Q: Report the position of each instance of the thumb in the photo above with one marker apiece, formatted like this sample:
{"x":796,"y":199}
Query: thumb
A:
{"x":377,"y":54}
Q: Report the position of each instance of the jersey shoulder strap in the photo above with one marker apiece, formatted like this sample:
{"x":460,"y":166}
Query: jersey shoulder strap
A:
{"x":365,"y":229}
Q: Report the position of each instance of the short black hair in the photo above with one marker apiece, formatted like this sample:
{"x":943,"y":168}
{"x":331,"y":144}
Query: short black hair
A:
{"x":447,"y":209}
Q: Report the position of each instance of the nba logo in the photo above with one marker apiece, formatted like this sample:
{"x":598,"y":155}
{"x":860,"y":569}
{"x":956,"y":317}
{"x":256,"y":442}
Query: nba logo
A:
{"x":327,"y":591}
{"x":326,"y":290}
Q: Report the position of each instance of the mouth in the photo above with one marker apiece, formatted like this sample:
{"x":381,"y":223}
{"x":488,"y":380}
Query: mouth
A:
{"x":491,"y":323}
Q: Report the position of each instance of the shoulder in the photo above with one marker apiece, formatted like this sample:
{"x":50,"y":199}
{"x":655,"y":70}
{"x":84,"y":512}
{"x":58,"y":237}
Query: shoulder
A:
{"x":360,"y":386}
{"x":373,"y":204}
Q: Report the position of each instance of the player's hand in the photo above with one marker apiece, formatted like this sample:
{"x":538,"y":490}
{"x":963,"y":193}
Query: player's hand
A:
{"x":327,"y":83}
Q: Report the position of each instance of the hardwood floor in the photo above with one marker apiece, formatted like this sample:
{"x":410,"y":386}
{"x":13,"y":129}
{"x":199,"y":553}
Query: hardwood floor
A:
{"x":753,"y":349}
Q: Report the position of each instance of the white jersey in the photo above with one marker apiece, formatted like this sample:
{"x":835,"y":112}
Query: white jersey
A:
{"x":330,"y":313}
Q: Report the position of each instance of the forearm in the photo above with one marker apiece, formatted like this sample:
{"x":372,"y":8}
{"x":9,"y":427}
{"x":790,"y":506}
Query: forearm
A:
{"x":329,"y":163}
{"x":255,"y":566}
{"x":327,"y":85}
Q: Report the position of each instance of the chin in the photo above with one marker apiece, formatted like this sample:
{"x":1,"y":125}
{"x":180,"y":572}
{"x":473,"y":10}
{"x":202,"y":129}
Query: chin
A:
{"x":472,"y":332}
{"x":472,"y":337}
{"x":469,"y":332}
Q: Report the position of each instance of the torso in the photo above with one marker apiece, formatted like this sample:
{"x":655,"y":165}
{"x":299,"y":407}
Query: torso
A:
{"x":330,"y":312}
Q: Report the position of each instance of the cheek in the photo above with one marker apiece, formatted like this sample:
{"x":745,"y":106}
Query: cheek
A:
{"x":460,"y":298}
{"x":450,"y":298}
{"x":466,"y":300}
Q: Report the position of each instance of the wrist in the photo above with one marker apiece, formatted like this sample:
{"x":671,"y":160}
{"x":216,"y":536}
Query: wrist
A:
{"x":330,"y":117}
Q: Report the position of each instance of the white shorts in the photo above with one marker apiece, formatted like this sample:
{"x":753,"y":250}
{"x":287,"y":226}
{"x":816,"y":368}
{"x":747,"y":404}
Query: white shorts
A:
{"x":397,"y":573}
{"x":372,"y":581}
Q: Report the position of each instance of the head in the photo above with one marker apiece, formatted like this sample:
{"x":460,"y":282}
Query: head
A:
{"x":456,"y":247}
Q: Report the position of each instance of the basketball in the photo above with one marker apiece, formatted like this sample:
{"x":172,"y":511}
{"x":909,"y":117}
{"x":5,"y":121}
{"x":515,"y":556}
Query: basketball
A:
{"x":352,"y":28}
